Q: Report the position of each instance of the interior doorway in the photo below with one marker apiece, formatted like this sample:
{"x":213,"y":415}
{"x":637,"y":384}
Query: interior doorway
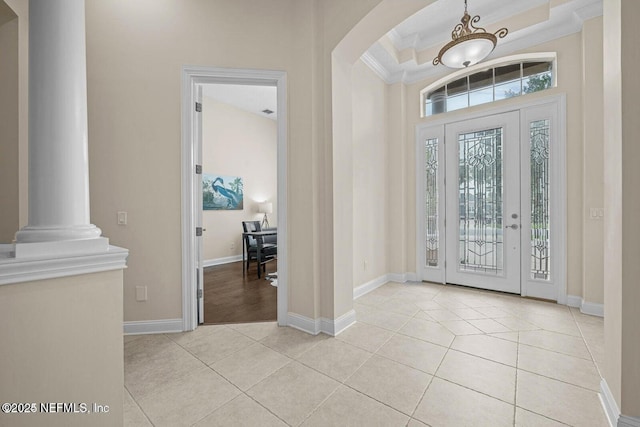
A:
{"x":194,"y":80}
{"x":239,"y":189}
{"x":491,"y":200}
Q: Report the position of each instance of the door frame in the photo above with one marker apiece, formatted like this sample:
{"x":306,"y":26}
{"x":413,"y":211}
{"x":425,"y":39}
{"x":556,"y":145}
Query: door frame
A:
{"x":558,"y":197}
{"x":192,"y":77}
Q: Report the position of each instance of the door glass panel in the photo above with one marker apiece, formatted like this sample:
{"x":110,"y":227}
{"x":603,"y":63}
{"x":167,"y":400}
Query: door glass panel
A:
{"x":540,"y":213}
{"x":431,"y":199}
{"x":480,"y":201}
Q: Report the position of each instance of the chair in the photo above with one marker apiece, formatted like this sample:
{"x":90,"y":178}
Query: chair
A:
{"x":269,"y":245}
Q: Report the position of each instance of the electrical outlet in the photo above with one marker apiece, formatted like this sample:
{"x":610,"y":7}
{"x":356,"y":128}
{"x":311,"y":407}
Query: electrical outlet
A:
{"x":596,"y":213}
{"x":232,"y":246}
{"x":141,"y":293}
{"x":366,"y":264}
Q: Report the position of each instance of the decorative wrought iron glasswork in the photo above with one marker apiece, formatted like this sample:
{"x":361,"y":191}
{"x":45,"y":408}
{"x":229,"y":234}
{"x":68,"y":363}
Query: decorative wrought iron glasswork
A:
{"x":540,"y":213}
{"x":480,"y":185}
{"x":431,"y":201}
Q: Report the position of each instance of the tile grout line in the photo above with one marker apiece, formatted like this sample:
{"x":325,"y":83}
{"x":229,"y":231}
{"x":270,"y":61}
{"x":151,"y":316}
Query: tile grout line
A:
{"x":431,"y":381}
{"x":139,"y":407}
{"x":268,"y":410}
{"x":593,"y":359}
{"x":515,"y":312}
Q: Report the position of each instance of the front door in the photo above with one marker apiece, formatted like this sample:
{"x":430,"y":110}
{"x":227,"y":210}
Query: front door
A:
{"x":492,"y":201}
{"x":483,"y":202}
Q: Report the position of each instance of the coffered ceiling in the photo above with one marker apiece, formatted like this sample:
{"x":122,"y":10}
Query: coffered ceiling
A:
{"x":406,"y":52}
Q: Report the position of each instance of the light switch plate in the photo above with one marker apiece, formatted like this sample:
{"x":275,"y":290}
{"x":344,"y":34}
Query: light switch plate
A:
{"x":122,"y":218}
{"x":141,"y":293}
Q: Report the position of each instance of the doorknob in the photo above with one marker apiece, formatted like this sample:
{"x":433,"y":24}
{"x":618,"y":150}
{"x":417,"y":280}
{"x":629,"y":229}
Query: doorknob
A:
{"x":513,"y":226}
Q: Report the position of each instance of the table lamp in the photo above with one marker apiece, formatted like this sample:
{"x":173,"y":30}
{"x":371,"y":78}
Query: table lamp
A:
{"x":265,"y":208}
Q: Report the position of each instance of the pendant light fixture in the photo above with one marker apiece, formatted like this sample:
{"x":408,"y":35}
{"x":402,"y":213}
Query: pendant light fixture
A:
{"x":469,"y":44}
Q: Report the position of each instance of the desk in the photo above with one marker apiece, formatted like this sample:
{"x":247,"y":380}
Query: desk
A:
{"x":258,"y":235}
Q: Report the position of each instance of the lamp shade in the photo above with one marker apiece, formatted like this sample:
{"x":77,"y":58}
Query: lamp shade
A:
{"x":266,"y":208}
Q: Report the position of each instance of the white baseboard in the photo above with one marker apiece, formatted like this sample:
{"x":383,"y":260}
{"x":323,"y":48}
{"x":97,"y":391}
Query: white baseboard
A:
{"x":334,"y":327}
{"x":590,"y":308}
{"x":327,"y":326}
{"x":220,"y":261}
{"x":303,"y":323}
{"x":153,"y":327}
{"x":611,"y":410}
{"x":370,"y":286}
{"x":626,"y":421}
{"x":379,"y":281}
{"x":574,"y":301}
{"x":402,"y":277}
{"x":609,"y":403}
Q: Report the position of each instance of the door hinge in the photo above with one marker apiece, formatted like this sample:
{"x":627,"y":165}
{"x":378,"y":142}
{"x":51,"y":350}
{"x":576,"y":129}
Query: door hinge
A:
{"x":198,"y":231}
{"x":199,"y":107}
{"x":199,"y":293}
{"x":198,"y":169}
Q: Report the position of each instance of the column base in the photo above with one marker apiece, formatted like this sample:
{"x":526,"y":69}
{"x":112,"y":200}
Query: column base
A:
{"x":54,"y":249}
{"x":37,"y":234}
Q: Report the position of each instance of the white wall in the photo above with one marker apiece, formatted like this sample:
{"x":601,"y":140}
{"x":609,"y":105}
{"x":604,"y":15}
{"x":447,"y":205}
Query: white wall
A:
{"x":370,"y":175}
{"x":237,"y":143}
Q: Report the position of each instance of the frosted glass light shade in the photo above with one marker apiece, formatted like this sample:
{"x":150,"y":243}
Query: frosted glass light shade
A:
{"x":469,"y":44}
{"x":266,"y":208}
{"x":467,"y":53}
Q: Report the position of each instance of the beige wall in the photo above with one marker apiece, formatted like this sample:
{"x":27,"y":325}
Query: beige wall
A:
{"x":399,"y":154}
{"x":370,"y":175}
{"x":593,"y":166}
{"x":134,"y":134}
{"x":237,"y":143}
{"x":353,"y":30}
{"x":622,"y":202}
{"x":9,"y":122}
{"x":135,"y":51}
{"x":62,"y":342}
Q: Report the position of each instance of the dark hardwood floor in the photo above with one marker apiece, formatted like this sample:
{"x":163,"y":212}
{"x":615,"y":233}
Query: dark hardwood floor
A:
{"x":231,"y":298}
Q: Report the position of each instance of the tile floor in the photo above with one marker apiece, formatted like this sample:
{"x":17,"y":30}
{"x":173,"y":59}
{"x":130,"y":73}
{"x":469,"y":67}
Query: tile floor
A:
{"x":419,"y":355}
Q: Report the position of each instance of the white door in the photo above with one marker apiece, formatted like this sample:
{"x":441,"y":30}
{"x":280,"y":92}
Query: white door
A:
{"x":483,"y":221}
{"x":504,"y":197}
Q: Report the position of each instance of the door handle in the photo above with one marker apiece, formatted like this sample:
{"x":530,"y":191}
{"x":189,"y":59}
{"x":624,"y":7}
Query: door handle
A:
{"x":513,"y":226}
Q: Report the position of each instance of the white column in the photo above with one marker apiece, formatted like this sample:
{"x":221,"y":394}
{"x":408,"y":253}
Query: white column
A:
{"x":58,"y":150}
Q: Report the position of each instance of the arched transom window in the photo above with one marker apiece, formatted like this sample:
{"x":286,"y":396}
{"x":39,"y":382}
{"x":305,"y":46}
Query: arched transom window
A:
{"x":505,"y":78}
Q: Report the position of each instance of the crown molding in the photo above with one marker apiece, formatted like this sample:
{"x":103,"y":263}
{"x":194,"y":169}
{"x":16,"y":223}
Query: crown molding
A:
{"x":372,"y":62}
{"x":563,"y":20}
